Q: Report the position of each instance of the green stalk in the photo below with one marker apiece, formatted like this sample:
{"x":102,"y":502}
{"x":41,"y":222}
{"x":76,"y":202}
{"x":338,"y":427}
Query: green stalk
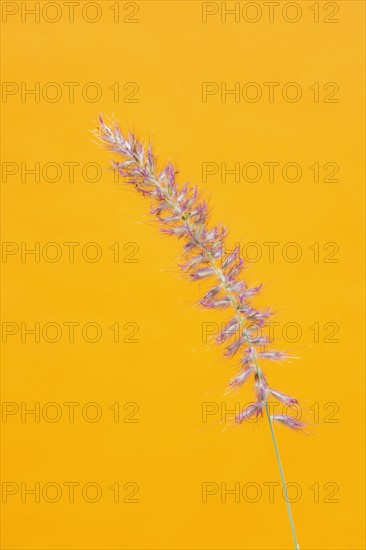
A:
{"x":288,"y":505}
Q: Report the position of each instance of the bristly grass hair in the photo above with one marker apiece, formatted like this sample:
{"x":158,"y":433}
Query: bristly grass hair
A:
{"x":182,"y":213}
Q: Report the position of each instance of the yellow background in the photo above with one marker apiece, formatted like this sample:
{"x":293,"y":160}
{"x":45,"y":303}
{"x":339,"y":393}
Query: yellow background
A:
{"x":170,"y":372}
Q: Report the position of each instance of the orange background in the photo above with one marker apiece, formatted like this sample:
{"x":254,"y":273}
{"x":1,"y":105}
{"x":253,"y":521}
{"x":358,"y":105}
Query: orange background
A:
{"x":170,"y":373}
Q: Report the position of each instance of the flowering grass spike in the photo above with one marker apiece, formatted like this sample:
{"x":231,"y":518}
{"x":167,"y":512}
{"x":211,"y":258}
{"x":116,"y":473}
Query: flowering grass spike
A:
{"x":181,"y":212}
